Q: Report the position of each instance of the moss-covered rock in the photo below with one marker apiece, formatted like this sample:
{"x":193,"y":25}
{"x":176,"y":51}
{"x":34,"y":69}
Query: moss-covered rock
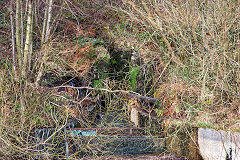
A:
{"x":182,"y":140}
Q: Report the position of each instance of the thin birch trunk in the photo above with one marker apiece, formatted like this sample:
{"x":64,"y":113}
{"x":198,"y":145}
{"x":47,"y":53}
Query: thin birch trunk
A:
{"x":21,"y":54}
{"x":18,"y":41}
{"x":44,"y":25}
{"x":22,"y":30}
{"x":35,"y":13}
{"x":13,"y":39}
{"x":48,"y":20}
{"x":45,"y":36}
{"x":26,"y":9}
{"x":27,"y":41}
{"x":31,"y":45}
{"x":22,"y":108}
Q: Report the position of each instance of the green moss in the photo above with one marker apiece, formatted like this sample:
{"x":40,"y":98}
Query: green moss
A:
{"x":133,"y":73}
{"x":82,"y":40}
{"x":203,"y":125}
{"x":98,"y":83}
{"x":113,"y":61}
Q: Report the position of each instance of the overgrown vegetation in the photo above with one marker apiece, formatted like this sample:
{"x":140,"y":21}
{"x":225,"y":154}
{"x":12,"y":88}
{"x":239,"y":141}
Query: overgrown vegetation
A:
{"x":198,"y":42}
{"x":87,"y":64}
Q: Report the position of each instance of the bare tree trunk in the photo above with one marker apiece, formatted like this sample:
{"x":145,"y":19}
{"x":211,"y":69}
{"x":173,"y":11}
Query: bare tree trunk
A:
{"x":45,"y":36}
{"x":49,"y":20}
{"x":22,"y":32}
{"x":46,"y":22}
{"x":44,"y":25}
{"x":13,"y":39}
{"x":31,"y":45}
{"x":18,"y":41}
{"x":27,"y":41}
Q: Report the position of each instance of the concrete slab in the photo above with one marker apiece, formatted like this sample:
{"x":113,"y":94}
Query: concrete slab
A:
{"x":219,"y":145}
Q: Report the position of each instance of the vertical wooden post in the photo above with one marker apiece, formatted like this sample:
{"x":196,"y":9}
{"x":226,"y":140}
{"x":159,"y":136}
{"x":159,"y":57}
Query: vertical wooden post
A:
{"x":134,"y":117}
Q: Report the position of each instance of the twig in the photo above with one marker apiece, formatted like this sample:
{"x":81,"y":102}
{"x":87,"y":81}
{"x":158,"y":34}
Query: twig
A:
{"x":130,"y":94}
{"x":100,"y":89}
{"x":56,"y":132}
